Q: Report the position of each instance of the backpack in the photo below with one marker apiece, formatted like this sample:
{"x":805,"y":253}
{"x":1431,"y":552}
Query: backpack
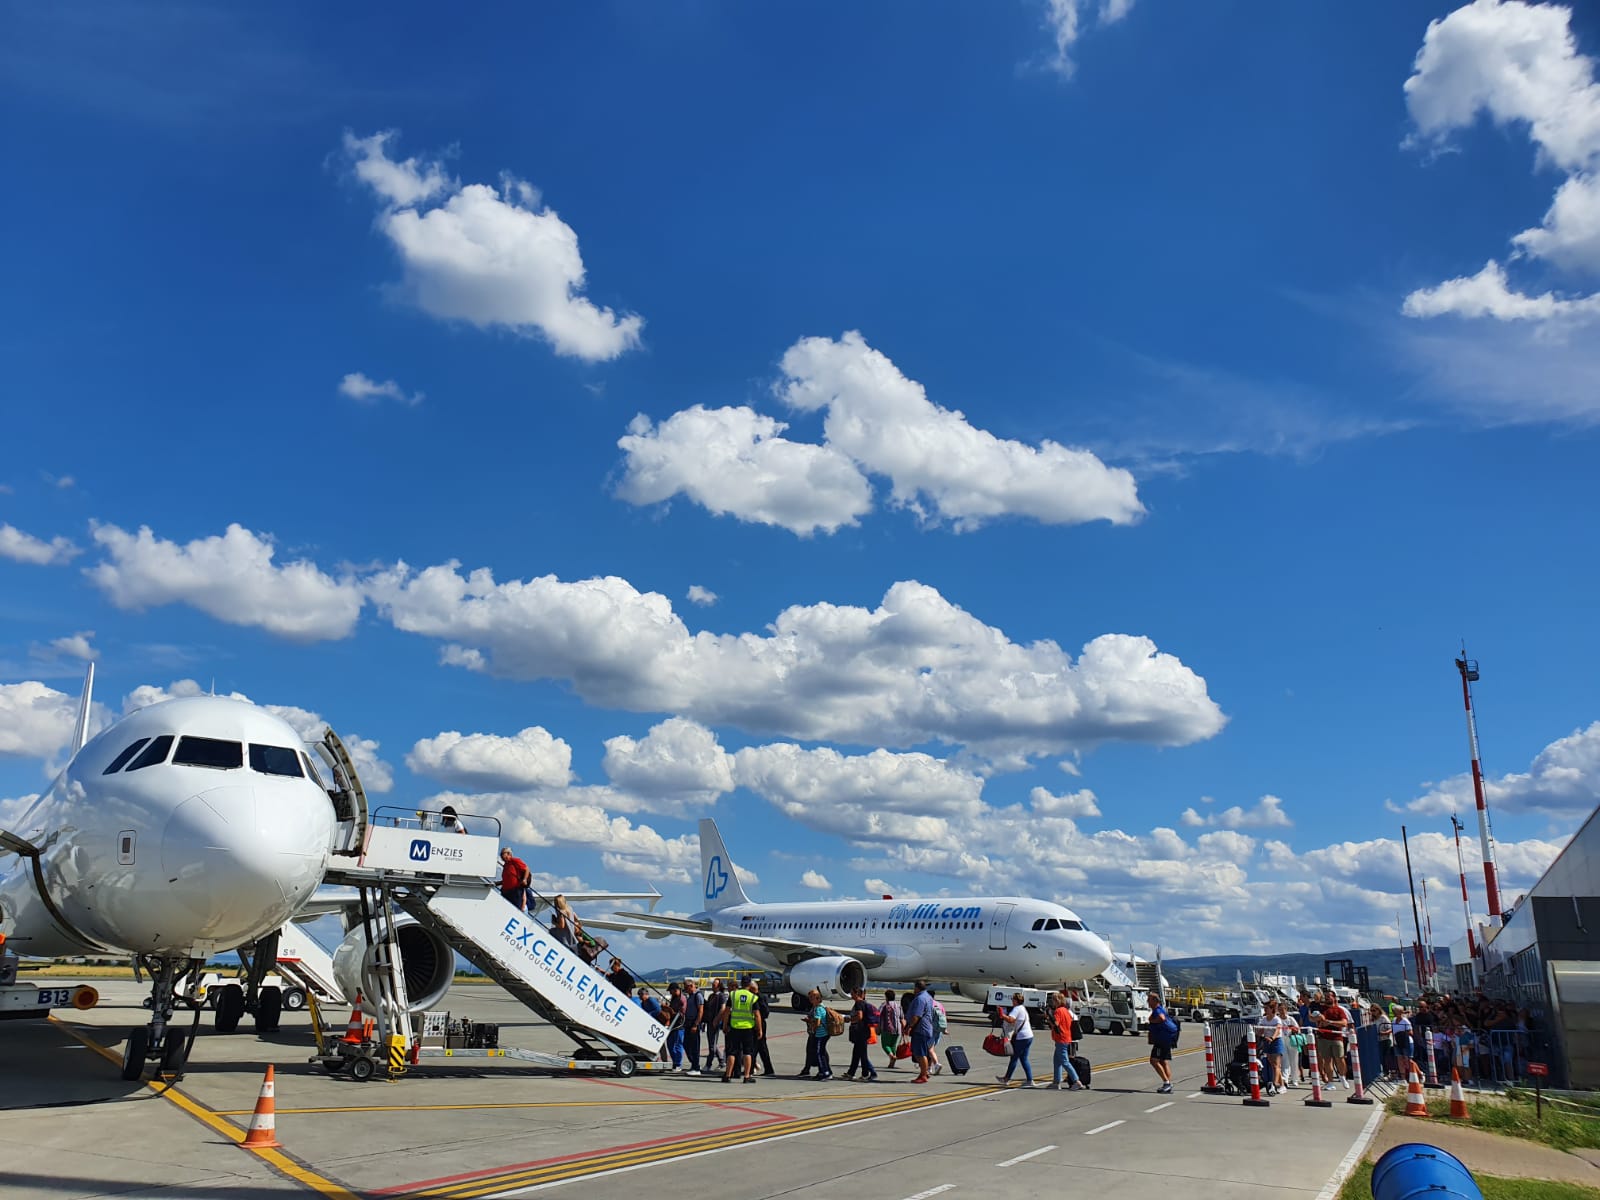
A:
{"x":835,"y":1023}
{"x":873,"y":1015}
{"x":1165,"y":1033}
{"x":941,"y":1021}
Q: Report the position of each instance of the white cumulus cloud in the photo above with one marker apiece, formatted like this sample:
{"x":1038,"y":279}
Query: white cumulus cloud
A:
{"x":703,"y":596}
{"x":25,"y":548}
{"x":679,"y":766}
{"x":78,"y":645}
{"x":1066,"y":20}
{"x":1267,"y":813}
{"x":916,"y":669}
{"x":1519,"y":65}
{"x":733,"y":461}
{"x":1081,"y":803}
{"x":231,"y":577}
{"x":533,"y":758}
{"x":493,"y":257}
{"x":36,"y":721}
{"x":1563,"y":780}
{"x":360,"y":388}
{"x":816,"y":880}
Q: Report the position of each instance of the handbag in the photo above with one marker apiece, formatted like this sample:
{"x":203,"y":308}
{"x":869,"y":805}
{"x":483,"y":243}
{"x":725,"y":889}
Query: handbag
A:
{"x":903,"y":1050}
{"x":996,"y":1044}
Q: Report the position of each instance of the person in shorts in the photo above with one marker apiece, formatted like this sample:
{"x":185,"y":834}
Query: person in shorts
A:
{"x":742,"y":1017}
{"x":919,"y":1023}
{"x":1160,"y":1054}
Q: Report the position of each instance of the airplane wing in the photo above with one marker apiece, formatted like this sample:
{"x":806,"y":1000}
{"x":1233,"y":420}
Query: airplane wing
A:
{"x":785,"y":949}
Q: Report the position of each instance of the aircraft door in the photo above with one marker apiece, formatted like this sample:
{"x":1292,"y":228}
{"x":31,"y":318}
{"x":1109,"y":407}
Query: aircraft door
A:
{"x":998,"y":920}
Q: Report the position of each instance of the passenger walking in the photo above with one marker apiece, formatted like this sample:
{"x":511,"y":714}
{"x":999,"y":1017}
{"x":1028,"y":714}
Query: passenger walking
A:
{"x":620,"y":977}
{"x":743,"y":1020}
{"x":863,"y":1017}
{"x":693,"y":1013}
{"x":1061,"y":1031}
{"x":1019,"y":1031}
{"x":763,"y":1056}
{"x":674,"y":1014}
{"x":919,"y":1023}
{"x":514,"y":879}
{"x":941,"y":1022}
{"x":711,"y":1018}
{"x":1161,"y":1038}
{"x":817,"y":1026}
{"x":890,"y":1025}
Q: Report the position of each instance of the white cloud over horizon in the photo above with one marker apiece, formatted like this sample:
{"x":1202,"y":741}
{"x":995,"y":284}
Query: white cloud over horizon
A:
{"x":25,"y":548}
{"x":940,"y":467}
{"x":492,"y":257}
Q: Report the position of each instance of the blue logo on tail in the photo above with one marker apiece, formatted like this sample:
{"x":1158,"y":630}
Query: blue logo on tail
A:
{"x":716,"y":878}
{"x":420,"y":848}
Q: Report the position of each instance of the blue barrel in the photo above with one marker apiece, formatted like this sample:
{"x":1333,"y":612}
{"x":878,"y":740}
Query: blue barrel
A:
{"x":1416,"y":1171}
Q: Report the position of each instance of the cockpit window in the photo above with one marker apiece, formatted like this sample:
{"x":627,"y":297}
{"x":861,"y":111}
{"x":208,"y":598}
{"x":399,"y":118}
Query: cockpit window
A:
{"x":1052,"y":923}
{"x":1038,"y":925}
{"x":275,"y":760}
{"x":1071,"y":924}
{"x":311,"y":769}
{"x":121,"y":760}
{"x":155,"y":752}
{"x":208,"y":752}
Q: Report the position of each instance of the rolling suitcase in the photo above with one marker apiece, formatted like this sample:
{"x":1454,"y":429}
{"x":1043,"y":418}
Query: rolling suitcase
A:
{"x":1080,"y":1064}
{"x":956,"y":1057}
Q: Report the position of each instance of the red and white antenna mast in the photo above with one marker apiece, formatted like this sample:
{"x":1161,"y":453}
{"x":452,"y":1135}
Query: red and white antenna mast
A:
{"x":1469,"y":676}
{"x":1466,"y":906}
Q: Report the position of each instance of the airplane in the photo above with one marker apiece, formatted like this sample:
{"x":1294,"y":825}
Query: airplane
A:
{"x":194,"y":827}
{"x":836,"y":946}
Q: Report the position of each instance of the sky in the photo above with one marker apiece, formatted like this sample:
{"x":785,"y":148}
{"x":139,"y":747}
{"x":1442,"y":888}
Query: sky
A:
{"x":1046,"y":448}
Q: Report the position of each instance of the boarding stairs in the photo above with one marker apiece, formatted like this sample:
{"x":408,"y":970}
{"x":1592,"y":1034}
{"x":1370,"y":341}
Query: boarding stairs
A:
{"x":519,"y":952}
{"x":302,"y":958}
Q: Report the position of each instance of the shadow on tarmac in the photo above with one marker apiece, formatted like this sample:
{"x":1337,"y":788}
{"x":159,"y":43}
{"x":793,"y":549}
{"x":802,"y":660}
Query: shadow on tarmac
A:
{"x":55,"y":1185}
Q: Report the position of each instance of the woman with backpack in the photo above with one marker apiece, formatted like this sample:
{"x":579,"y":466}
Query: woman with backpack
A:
{"x":817,"y":1026}
{"x":890,"y":1026}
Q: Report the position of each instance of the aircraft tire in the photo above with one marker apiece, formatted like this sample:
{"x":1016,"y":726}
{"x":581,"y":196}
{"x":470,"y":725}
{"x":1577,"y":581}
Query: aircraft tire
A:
{"x":175,"y":1054}
{"x":230,"y":1007}
{"x":269,"y":1009}
{"x":133,"y":1054}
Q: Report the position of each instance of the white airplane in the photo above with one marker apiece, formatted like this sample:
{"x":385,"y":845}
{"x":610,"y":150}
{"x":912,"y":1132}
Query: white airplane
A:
{"x":837,"y":946}
{"x":191,"y":828}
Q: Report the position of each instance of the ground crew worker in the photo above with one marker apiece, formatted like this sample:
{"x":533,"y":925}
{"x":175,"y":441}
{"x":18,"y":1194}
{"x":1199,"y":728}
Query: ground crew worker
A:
{"x":743,"y":1021}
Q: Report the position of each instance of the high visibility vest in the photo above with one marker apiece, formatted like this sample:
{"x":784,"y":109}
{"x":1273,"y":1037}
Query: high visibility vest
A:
{"x":742,"y":1010}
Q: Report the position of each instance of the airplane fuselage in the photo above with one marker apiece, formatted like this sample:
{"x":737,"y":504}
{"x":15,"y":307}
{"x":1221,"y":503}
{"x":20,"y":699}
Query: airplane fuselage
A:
{"x":981,"y":939}
{"x":212,"y":832}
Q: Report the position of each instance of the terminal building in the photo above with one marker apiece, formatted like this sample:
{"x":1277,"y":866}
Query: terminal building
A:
{"x":1546,"y":958}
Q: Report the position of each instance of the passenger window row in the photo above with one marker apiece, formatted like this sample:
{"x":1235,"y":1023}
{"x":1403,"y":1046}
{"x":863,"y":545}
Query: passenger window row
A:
{"x":216,"y":753}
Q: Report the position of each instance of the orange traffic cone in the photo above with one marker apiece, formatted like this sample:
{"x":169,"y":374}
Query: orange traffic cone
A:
{"x":355,"y":1031}
{"x":263,"y":1131}
{"x":1458,"y":1098}
{"x":1416,"y":1102}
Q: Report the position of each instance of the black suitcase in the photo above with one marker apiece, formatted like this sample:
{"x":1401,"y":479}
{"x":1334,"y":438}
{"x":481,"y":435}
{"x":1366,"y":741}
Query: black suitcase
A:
{"x":957,"y":1058}
{"x":1080,"y":1064}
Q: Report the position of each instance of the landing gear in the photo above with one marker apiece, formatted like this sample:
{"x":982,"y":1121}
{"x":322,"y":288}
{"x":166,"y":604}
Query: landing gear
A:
{"x":269,"y":1007}
{"x":173,"y":982}
{"x":230,"y":1007}
{"x":134,"y":1054}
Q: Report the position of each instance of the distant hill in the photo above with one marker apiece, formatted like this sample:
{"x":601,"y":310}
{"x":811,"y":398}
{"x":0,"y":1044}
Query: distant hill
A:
{"x":1383,"y":967}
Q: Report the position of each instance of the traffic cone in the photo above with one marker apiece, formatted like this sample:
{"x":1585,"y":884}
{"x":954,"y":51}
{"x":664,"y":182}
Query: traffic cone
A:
{"x":1458,"y":1098}
{"x":1416,"y":1102}
{"x":355,"y":1031}
{"x":263,"y":1131}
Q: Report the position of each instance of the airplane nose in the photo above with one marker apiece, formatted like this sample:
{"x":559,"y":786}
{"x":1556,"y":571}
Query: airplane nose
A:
{"x":1097,"y":951}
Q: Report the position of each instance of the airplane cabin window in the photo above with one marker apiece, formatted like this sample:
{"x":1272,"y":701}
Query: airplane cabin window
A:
{"x":275,"y":760}
{"x":121,"y":760}
{"x":208,"y":752}
{"x":155,"y":752}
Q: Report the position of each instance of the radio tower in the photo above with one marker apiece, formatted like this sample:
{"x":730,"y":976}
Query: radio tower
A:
{"x":1466,"y":907}
{"x":1469,"y":676}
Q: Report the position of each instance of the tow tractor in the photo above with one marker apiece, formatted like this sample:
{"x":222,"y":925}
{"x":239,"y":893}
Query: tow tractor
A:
{"x":19,"y":1001}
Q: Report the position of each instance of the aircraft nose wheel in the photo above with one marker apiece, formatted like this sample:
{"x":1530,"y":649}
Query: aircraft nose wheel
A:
{"x":175,"y":1055}
{"x":134,"y":1053}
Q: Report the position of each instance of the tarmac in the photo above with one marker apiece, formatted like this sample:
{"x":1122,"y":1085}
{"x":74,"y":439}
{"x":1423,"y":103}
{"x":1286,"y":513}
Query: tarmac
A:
{"x":69,"y":1127}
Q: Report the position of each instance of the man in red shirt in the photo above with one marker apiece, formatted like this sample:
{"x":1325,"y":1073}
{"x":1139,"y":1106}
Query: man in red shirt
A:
{"x":514,"y":879}
{"x":1061,"y":1023}
{"x":1331,"y":1033}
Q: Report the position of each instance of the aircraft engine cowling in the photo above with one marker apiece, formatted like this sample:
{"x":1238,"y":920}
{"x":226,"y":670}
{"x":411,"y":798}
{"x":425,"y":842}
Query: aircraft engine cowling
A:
{"x":430,"y":966}
{"x":833,"y":977}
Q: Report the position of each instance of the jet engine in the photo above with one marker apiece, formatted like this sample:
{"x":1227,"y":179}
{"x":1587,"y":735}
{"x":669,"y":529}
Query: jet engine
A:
{"x":429,"y":965}
{"x":837,"y":976}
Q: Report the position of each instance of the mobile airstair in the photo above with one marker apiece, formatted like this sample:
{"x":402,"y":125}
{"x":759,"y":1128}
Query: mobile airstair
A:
{"x":438,"y":879}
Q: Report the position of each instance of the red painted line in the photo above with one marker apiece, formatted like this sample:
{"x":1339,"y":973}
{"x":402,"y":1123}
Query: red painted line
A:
{"x":579,"y":1156}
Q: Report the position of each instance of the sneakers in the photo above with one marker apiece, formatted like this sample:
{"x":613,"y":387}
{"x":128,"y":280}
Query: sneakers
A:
{"x":1028,"y":1083}
{"x":1077,"y":1087}
{"x":938,"y":1068}
{"x":873,"y":1078}
{"x":692,"y":1071}
{"x":1164,"y":1090}
{"x":1052,"y":1087}
{"x":1003,"y":1078}
{"x":826,"y":1075}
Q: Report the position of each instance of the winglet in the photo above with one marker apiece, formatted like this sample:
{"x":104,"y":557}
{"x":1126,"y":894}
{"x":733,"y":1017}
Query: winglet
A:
{"x":720,"y":881}
{"x":80,"y":732}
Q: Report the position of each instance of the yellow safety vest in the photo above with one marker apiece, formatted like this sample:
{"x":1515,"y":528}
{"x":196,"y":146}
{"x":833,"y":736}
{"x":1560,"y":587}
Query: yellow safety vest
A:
{"x":742,"y":1010}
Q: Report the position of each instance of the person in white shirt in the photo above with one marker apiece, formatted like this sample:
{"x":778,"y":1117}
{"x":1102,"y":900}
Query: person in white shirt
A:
{"x":1293,"y":1042}
{"x":1020,"y":1030}
{"x":1269,"y":1033}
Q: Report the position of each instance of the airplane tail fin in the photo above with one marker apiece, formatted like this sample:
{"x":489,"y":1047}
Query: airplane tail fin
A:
{"x":721,"y":881}
{"x":80,"y":731}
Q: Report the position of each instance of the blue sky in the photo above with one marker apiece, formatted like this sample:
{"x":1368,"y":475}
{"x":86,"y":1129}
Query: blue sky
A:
{"x":1159,"y":390}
